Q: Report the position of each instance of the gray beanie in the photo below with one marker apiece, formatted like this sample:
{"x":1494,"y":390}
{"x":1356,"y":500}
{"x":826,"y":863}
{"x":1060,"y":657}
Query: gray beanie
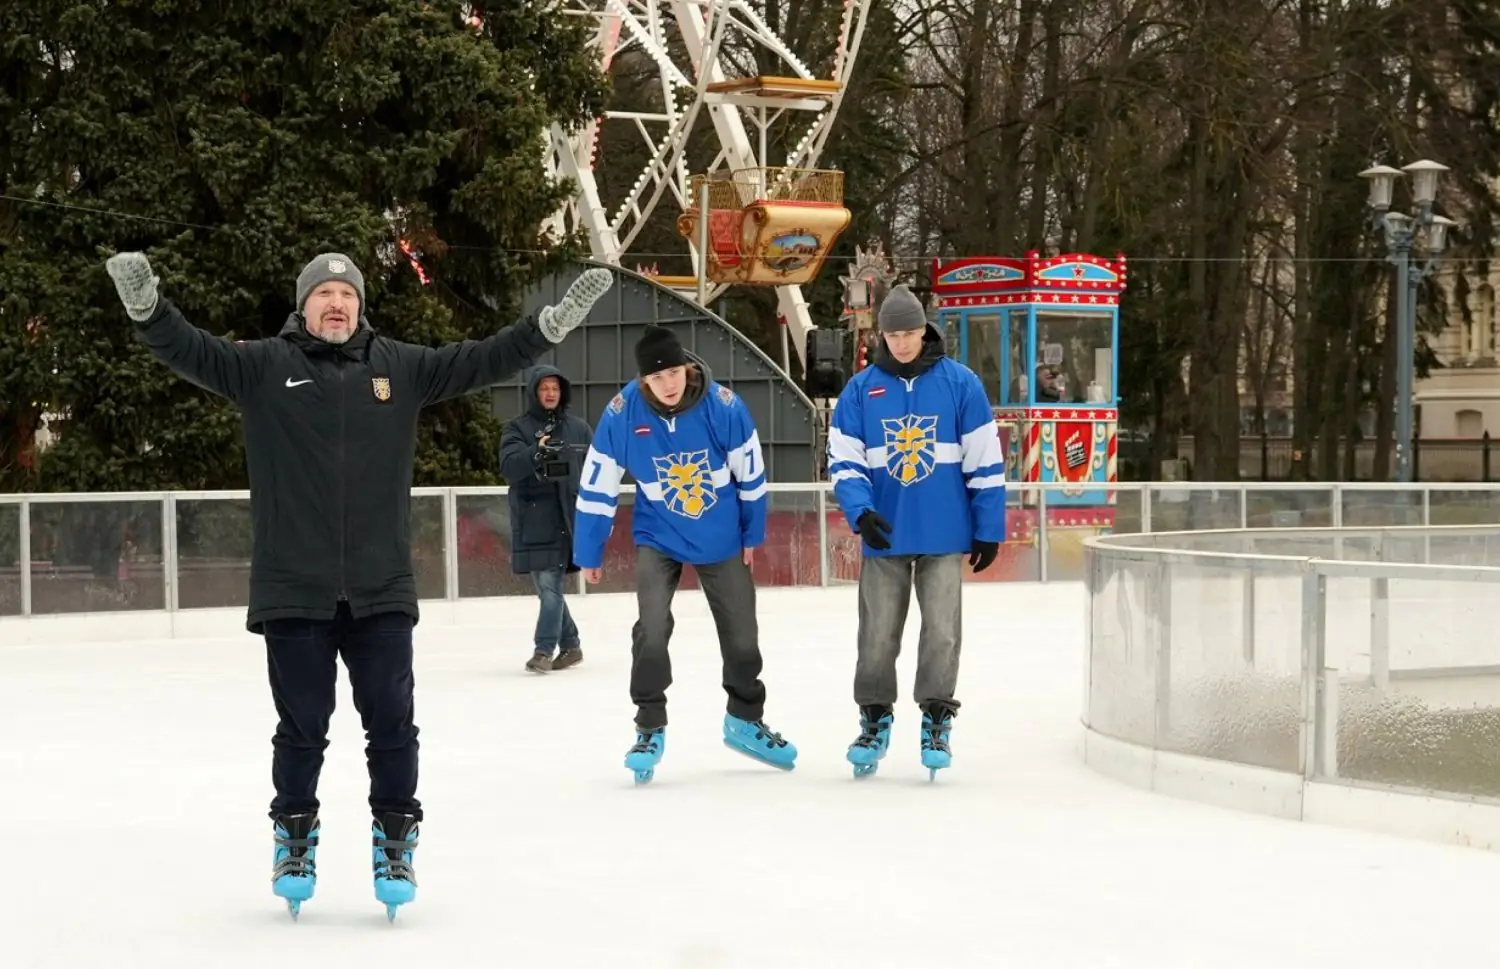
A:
{"x":901,"y":310}
{"x":327,"y":266}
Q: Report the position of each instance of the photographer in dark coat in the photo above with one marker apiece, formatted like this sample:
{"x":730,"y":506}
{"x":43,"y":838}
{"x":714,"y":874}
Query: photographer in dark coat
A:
{"x":541,"y":458}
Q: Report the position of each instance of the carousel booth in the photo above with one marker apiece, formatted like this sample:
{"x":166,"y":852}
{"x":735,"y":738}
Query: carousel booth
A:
{"x":1042,"y":336}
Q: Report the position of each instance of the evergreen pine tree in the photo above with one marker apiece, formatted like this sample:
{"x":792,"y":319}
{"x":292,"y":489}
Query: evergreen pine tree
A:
{"x":233,"y":141}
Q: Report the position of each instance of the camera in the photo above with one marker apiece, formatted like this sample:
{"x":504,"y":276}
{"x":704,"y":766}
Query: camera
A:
{"x":552,"y":461}
{"x":551,"y":457}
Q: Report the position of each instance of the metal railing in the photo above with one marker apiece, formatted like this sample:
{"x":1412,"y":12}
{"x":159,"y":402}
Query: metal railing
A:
{"x":88,"y":553}
{"x":747,"y":185}
{"x":1354,"y":655}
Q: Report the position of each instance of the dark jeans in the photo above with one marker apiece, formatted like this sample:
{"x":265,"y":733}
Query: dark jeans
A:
{"x":554,"y":623}
{"x":731,"y":598}
{"x":885,"y":587}
{"x":302,"y":656}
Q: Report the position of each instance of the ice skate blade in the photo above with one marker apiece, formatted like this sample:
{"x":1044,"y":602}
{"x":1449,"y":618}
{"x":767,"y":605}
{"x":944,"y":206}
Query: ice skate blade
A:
{"x":393,"y":893}
{"x":391,"y":907}
{"x":644,"y":776}
{"x":293,"y":893}
{"x":756,"y":757}
{"x":865,"y":760}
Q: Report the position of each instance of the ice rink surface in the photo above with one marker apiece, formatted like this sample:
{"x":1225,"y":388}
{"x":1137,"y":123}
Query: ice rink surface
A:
{"x":136,"y":777}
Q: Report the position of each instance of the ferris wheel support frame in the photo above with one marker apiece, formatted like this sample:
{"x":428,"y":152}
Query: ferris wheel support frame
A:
{"x":702,"y":26}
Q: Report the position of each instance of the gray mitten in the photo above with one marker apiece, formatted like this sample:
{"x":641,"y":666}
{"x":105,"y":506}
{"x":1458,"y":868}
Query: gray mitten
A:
{"x":558,"y":321}
{"x":135,"y":283}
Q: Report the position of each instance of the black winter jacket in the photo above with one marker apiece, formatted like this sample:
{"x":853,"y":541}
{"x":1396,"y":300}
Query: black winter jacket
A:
{"x":541,"y":510}
{"x":330,"y":436}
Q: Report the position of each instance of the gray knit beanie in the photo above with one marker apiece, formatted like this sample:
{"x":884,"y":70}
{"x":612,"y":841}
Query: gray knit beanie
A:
{"x":901,"y":310}
{"x":327,"y":266}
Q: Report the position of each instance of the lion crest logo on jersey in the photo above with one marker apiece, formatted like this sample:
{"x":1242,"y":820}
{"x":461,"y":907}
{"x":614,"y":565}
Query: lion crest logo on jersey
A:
{"x":686,"y":483}
{"x":382,"y":388}
{"x":910,"y":447}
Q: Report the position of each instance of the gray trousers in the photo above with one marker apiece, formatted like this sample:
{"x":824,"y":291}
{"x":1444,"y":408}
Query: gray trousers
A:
{"x":885,"y":587}
{"x":730,"y":592}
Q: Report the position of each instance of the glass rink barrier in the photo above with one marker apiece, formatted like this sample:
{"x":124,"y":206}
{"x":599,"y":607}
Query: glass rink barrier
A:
{"x":84,"y":554}
{"x":1307,"y":673}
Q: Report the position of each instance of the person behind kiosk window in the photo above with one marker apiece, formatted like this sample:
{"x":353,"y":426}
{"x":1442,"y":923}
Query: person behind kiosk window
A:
{"x":1048,"y":387}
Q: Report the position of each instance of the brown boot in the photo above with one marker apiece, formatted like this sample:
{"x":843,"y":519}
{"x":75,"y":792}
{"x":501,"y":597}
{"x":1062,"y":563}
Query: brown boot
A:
{"x":567,"y":658}
{"x":539,"y":663}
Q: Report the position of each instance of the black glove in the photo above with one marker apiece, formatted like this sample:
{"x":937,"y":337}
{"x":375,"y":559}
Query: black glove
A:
{"x":982,"y":554}
{"x":875,"y":530}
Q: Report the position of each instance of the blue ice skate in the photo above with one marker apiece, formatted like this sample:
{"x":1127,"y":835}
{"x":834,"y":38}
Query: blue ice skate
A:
{"x":756,"y":740}
{"x":294,"y":873}
{"x":646,"y":754}
{"x":874,"y":740}
{"x":394,"y":839}
{"x":937,"y":720}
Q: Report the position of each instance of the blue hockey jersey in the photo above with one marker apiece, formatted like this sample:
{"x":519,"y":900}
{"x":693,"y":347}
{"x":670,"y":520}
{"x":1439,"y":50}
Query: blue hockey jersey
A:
{"x":924,"y":453}
{"x":700,"y":478}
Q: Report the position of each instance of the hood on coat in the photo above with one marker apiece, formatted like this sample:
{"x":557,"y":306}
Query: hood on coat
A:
{"x":538,"y":373}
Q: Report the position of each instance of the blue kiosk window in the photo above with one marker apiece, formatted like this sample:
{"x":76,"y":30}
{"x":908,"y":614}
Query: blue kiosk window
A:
{"x":1071,"y":354}
{"x":1074,"y":358}
{"x":981,"y":347}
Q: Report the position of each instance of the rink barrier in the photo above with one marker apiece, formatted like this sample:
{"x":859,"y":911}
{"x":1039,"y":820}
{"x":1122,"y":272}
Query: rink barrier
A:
{"x":177,"y":563}
{"x":1346,"y":676}
{"x":111,"y":553}
{"x":180,"y":557}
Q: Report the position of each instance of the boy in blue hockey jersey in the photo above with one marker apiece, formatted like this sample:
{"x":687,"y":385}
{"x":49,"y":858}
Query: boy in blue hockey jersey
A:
{"x":916,"y":466}
{"x":692,"y":448}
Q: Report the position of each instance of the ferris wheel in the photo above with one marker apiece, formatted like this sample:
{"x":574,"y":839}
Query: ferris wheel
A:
{"x":745,"y":220}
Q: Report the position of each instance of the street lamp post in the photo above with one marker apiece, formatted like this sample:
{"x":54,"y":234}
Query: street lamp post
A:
{"x":1427,"y":232}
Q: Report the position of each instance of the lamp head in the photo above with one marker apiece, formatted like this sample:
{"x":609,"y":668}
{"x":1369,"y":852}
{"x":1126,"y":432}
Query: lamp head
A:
{"x":1424,"y":180}
{"x":1437,"y":233}
{"x":1382,"y":179}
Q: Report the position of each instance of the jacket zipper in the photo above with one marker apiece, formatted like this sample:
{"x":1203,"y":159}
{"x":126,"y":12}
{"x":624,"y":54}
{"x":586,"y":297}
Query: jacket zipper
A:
{"x":911,"y":386}
{"x":343,"y":467}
